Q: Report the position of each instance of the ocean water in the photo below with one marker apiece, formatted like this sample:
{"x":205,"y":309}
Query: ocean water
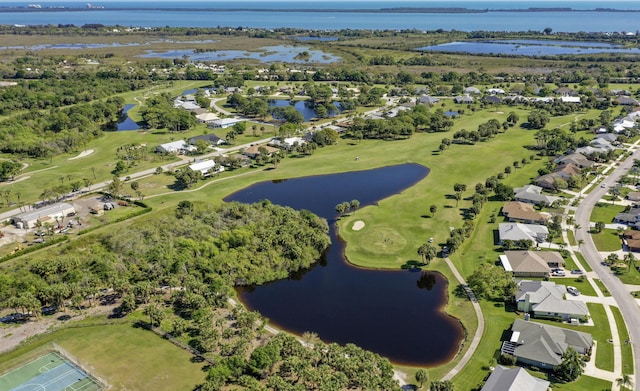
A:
{"x":334,"y":15}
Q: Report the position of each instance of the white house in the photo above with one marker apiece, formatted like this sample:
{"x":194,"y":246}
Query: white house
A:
{"x":45,"y":214}
{"x":206,"y":167}
{"x":287,"y":142}
{"x":224,"y":122}
{"x":517,"y":231}
{"x":207,"y":118}
{"x":179,"y":146}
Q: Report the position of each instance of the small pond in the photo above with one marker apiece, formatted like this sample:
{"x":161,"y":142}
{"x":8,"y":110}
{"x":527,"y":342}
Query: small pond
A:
{"x":530,"y":47}
{"x":304,"y":107}
{"x":125,"y":122}
{"x":393,"y":313}
{"x":452,"y":114}
{"x":280,"y":53}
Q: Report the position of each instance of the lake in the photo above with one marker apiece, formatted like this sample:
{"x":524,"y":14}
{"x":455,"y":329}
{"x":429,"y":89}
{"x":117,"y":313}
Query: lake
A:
{"x":530,"y":47}
{"x":125,"y":122}
{"x":303,"y":107}
{"x":393,"y":313}
{"x":266,"y":54}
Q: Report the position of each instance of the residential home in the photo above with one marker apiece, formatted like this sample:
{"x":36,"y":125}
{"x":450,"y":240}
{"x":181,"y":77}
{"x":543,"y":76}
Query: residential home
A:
{"x":565,"y":91}
{"x":630,"y":217}
{"x":517,"y":231}
{"x":48,"y":213}
{"x":570,"y":99}
{"x":521,"y":212}
{"x":543,"y":346}
{"x":212,"y":139}
{"x":610,"y":137}
{"x":621,"y":125}
{"x":463,"y":99}
{"x":634,"y":196}
{"x":428,"y":100}
{"x":472,"y":90}
{"x":206,"y":167}
{"x":254,"y":150}
{"x":576,"y":159}
{"x":545,"y":299}
{"x":176,"y":147}
{"x":492,"y":100}
{"x":224,"y":122}
{"x":236,"y":160}
{"x":626,"y":101}
{"x":513,"y":379}
{"x":525,"y":263}
{"x":631,"y":240}
{"x":533,"y":195}
{"x":564,"y":172}
{"x":495,"y":91}
{"x":207,"y":118}
{"x":287,"y":143}
{"x":602,"y":143}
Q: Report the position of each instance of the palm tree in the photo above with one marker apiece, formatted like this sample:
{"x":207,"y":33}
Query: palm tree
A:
{"x":625,"y":381}
{"x":629,"y":260}
{"x":580,"y":243}
{"x":428,"y":252}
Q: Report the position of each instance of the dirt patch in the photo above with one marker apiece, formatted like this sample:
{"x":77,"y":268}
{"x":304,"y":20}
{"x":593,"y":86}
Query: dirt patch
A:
{"x":358,"y":225}
{"x":82,"y":154}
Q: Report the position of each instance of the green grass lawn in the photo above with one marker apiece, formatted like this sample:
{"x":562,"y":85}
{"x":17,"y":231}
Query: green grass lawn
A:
{"x":605,"y":212}
{"x":603,"y":288}
{"x":571,"y":237}
{"x":629,"y":276}
{"x":583,"y":261}
{"x":601,"y":332}
{"x":128,"y":358}
{"x":607,"y":240}
{"x":583,"y":286}
{"x":627,"y":350}
{"x":584,"y":383}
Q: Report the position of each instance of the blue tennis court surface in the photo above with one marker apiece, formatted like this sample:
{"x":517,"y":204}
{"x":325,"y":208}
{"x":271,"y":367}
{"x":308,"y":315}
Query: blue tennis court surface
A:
{"x":51,"y":372}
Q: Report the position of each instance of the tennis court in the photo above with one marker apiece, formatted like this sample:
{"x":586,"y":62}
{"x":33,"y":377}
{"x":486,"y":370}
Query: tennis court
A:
{"x":51,"y":372}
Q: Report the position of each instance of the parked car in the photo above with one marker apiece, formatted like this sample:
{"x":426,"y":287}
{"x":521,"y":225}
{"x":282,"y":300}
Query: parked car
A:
{"x":577,"y":271}
{"x":573,"y":290}
{"x":558,"y":273}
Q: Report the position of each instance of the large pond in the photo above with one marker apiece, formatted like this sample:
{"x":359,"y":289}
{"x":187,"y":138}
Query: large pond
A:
{"x":394,"y":313}
{"x":304,"y":107}
{"x":530,"y":47}
{"x":267,"y":54}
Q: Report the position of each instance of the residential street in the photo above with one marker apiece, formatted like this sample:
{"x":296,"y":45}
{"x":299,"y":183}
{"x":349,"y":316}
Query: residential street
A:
{"x":620,"y":293}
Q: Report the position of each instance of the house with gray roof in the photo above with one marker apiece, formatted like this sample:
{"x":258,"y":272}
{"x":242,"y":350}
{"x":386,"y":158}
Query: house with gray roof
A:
{"x":517,"y":231}
{"x":533,"y":195}
{"x":626,"y":101}
{"x":472,"y":90}
{"x":513,"y":379}
{"x":576,"y":159}
{"x":463,"y":99}
{"x":545,"y":299}
{"x":48,"y":213}
{"x":541,"y":345}
{"x":525,"y":263}
{"x":428,"y":100}
{"x":630,"y":217}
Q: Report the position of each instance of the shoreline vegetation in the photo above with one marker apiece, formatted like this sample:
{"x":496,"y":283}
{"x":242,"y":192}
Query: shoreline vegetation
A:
{"x":395,"y":10}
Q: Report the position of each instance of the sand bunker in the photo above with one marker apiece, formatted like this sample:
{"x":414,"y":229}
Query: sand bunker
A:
{"x":358,"y":225}
{"x":82,"y":154}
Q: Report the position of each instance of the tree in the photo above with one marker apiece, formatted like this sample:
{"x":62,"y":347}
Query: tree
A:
{"x":343,"y":208}
{"x":503,"y":192}
{"x":630,"y":260}
{"x":599,"y":226}
{"x":115,"y":187}
{"x":537,"y":119}
{"x":625,"y":381}
{"x":580,"y":243}
{"x":355,"y":204}
{"x":433,"y":209}
{"x":428,"y":252}
{"x":457,"y":197}
{"x":421,"y":376}
{"x":571,"y":367}
{"x":492,"y":282}
{"x":155,"y":314}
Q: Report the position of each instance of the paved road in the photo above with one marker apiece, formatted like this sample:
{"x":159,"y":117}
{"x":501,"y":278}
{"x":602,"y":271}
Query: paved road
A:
{"x":626,"y":303}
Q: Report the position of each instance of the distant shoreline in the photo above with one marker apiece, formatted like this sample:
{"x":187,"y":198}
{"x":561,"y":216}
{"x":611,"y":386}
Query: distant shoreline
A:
{"x":399,"y":10}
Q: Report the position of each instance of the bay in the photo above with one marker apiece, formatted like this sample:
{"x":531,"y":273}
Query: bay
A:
{"x":333,"y":15}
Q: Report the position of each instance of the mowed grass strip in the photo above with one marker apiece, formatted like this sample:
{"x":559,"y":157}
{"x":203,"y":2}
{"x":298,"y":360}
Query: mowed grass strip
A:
{"x":625,"y":346}
{"x":602,"y":334}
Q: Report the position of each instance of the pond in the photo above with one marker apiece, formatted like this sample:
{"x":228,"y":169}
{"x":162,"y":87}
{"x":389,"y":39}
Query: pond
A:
{"x":304,"y":107}
{"x":266,"y":54}
{"x":394,"y":313}
{"x":125,"y":122}
{"x":99,"y":45}
{"x":530,"y":47}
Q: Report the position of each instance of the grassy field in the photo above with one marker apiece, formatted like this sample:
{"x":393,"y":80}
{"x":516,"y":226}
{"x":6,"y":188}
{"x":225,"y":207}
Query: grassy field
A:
{"x":627,"y":349}
{"x":129,"y":358}
{"x":604,"y":351}
{"x":607,"y":240}
{"x":605,"y":212}
{"x":629,"y":276}
{"x":583,"y":261}
{"x":603,"y":288}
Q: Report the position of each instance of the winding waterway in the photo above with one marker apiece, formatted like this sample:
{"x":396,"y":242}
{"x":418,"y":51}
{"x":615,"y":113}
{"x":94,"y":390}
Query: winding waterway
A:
{"x":394,"y":313}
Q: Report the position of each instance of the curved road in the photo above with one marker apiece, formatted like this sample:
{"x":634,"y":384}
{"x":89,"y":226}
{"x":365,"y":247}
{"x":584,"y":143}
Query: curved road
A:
{"x":626,"y":303}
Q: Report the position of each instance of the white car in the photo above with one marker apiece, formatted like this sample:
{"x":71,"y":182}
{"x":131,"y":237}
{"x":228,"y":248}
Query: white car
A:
{"x":603,"y":185}
{"x":573,"y":290}
{"x":558,"y":273}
